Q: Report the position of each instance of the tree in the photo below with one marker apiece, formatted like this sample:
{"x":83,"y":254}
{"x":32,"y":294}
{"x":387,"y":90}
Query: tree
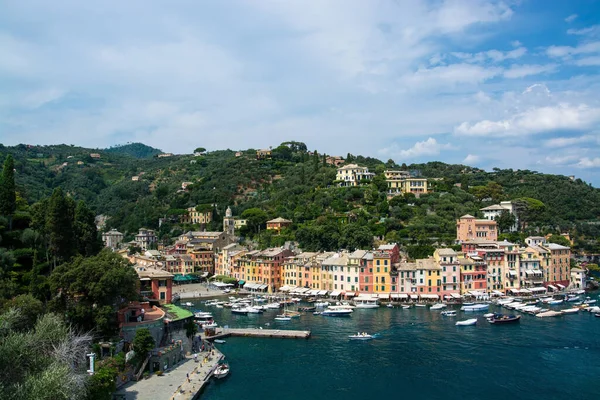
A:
{"x":91,"y":290}
{"x":256,"y":219}
{"x":8,"y":197}
{"x":102,"y":384}
{"x":143,"y":342}
{"x":506,"y":220}
{"x":200,"y":150}
{"x":559,"y":239}
{"x":46,"y":362}
{"x":86,"y":233}
{"x":29,"y":309}
{"x":59,"y":226}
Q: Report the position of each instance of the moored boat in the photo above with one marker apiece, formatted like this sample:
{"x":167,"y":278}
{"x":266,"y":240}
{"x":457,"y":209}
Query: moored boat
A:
{"x":283,"y":317}
{"x":570,"y":311}
{"x":475,"y":307}
{"x":467,"y":322}
{"x":438,"y":306}
{"x":336,"y":312}
{"x":504,"y":319}
{"x":448,"y":313}
{"x":221,"y":371}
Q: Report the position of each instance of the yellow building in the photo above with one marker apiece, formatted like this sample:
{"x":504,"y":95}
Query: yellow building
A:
{"x":400,"y":182}
{"x":382,"y":265}
{"x":196,"y":217}
{"x":352,"y":175}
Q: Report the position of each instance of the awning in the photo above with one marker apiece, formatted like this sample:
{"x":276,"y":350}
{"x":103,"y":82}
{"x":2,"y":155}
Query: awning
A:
{"x":383,"y":295}
{"x":526,"y":291}
{"x":145,"y":279}
{"x":455,"y":295}
{"x":538,"y":289}
{"x":262,"y":287}
{"x":414,"y":296}
{"x":430,"y":296}
{"x":497,"y":292}
{"x":553,"y":287}
{"x":515,"y":291}
{"x":350,"y":294}
{"x":322,"y":292}
{"x":313,"y":292}
{"x":529,"y":271}
{"x":241,"y":282}
{"x":476,"y":293}
{"x":334,"y":293}
{"x":560,"y":286}
{"x":285,"y":288}
{"x":399,"y":296}
{"x":512,"y":272}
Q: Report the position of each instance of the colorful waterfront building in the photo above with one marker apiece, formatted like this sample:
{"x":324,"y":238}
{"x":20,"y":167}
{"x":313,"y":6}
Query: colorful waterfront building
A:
{"x":355,"y":261}
{"x":429,"y":281}
{"x":366,"y":273}
{"x":383,"y":272}
{"x":473,"y":273}
{"x":448,"y":261}
{"x":530,"y":273}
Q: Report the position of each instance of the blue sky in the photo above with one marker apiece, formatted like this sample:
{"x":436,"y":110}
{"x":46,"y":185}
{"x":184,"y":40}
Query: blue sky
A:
{"x":508,"y":84}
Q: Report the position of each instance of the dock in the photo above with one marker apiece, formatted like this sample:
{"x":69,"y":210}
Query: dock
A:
{"x":257,"y":333}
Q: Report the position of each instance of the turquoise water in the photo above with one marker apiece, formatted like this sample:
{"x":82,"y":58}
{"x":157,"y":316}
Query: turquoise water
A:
{"x":419,"y":354}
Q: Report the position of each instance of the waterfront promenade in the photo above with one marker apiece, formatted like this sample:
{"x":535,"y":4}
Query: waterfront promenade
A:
{"x":257,"y":333}
{"x":174,"y":384}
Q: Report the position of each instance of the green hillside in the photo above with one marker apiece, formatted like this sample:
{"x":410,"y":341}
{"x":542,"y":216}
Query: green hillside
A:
{"x":298,"y":185}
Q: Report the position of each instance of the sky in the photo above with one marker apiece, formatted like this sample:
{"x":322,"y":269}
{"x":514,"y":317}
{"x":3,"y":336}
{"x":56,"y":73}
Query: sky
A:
{"x":506,"y":84}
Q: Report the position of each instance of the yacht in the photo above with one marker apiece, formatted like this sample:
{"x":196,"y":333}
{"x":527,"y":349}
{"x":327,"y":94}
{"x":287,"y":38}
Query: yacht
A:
{"x":337,"y":312}
{"x":366,"y":303}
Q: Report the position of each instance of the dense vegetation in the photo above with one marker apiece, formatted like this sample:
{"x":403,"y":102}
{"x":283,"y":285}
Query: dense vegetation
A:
{"x":299,"y":185}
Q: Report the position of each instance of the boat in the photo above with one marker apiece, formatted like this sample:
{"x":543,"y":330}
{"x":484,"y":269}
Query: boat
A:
{"x":597,"y":315}
{"x":405,"y":307}
{"x":390,"y":305}
{"x":589,"y":301}
{"x":555,"y":302}
{"x":420,"y":305}
{"x":188,"y":304}
{"x":321,"y":304}
{"x":488,"y":315}
{"x":570,"y":311}
{"x":366,"y":303}
{"x":467,"y":322}
{"x":221,"y":371}
{"x":549,"y":313}
{"x":594,"y":309}
{"x":282,"y":317}
{"x":361,"y":336}
{"x":273,"y":306}
{"x":307,"y":309}
{"x":239,"y":311}
{"x":475,"y":307}
{"x":337,"y":312}
{"x":573,"y":298}
{"x":317,"y":313}
{"x":438,"y":306}
{"x":448,"y":313}
{"x":504,"y":319}
{"x":220,"y":341}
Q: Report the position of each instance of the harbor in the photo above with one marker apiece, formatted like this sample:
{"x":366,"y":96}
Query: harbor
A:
{"x":257,"y":333}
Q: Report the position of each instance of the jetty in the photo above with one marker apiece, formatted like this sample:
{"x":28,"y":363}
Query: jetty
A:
{"x":183,"y":382}
{"x":257,"y":333}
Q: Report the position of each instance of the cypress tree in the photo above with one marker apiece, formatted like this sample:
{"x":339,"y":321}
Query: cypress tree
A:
{"x":8,"y":197}
{"x":59,"y":225}
{"x":86,"y":233}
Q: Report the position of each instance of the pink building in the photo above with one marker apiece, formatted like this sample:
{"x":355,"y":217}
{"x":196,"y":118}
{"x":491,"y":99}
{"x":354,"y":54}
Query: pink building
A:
{"x":448,"y":260}
{"x":468,"y":228}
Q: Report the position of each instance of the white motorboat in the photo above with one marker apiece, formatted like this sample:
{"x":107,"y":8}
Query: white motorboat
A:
{"x":188,"y":304}
{"x":570,"y":311}
{"x":337,"y":312}
{"x":366,"y":303}
{"x":221,"y":371}
{"x":488,"y":315}
{"x":219,"y":341}
{"x":467,"y":322}
{"x":390,"y":305}
{"x":254,"y":310}
{"x":219,"y":306}
{"x":420,"y":305}
{"x":273,"y":306}
{"x":318,"y":313}
{"x":589,"y":301}
{"x":239,"y":311}
{"x":438,"y":306}
{"x":475,"y":307}
{"x":283,"y":317}
{"x":210,"y":324}
{"x":361,"y":336}
{"x":405,"y":307}
{"x":321,"y":304}
{"x":448,"y":313}
{"x":555,"y":302}
{"x":593,"y":309}
{"x":573,"y":298}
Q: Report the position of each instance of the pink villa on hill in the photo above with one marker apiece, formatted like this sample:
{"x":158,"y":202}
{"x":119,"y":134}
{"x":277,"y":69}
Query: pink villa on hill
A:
{"x":468,"y":228}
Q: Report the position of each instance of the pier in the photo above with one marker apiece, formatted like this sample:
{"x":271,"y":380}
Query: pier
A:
{"x":257,"y":333}
{"x":183,"y":382}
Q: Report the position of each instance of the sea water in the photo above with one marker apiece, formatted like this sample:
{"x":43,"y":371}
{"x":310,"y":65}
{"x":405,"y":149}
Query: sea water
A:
{"x":417,"y":354}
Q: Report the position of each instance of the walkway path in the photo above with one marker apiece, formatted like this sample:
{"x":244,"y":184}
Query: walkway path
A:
{"x":173,"y":384}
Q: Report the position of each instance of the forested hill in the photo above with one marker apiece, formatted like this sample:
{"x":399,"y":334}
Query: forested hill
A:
{"x":137,"y":150}
{"x":298,"y":185}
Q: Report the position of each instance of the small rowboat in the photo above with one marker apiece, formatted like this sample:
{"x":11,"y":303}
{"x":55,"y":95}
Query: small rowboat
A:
{"x":467,"y":322}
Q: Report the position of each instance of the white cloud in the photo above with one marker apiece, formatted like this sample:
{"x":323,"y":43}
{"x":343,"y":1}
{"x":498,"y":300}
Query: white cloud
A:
{"x":571,"y":18}
{"x":471,"y":159}
{"x":449,"y":75}
{"x":565,"y":51}
{"x":535,"y":120}
{"x":558,"y":160}
{"x":588,"y":61}
{"x":429,"y":147}
{"x":494,"y":56}
{"x":589,"y":162}
{"x":516,"y":43}
{"x":589,"y":31}
{"x":520,"y":71}
{"x":569,"y":141}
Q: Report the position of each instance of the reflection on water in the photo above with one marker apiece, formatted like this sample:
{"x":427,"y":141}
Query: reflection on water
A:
{"x":418,"y":353}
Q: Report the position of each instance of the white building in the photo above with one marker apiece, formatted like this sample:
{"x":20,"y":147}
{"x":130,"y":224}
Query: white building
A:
{"x":352,"y":175}
{"x":112,"y":238}
{"x":496,"y":210}
{"x":145,"y":238}
{"x":578,"y":278}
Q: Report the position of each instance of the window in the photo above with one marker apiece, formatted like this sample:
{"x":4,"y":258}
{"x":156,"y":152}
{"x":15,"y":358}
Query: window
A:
{"x":378,"y":269}
{"x":383,"y":288}
{"x":366,"y":279}
{"x":162,"y":296}
{"x":393,"y":288}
